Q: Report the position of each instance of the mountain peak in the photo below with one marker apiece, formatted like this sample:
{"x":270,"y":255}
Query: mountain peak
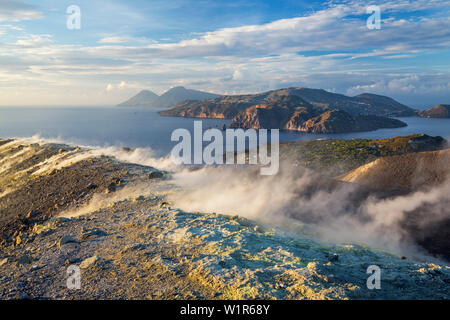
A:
{"x":142,"y":99}
{"x":169,"y":98}
{"x":306,"y":109}
{"x":177,"y":88}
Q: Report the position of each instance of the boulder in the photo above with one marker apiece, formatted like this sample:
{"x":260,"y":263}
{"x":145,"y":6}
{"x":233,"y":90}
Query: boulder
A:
{"x":3,"y":262}
{"x":86,"y":263}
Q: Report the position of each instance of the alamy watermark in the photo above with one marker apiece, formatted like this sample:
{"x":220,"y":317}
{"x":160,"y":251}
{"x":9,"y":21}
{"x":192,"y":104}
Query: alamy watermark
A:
{"x":73,"y":18}
{"x":74,"y":277}
{"x":374,"y":280}
{"x":374,"y":20}
{"x":191,"y":151}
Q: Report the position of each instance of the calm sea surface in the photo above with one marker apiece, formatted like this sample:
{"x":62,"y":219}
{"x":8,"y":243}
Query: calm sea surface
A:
{"x":137,"y":127}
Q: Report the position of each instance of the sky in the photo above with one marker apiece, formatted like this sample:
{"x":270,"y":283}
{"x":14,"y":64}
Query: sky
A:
{"x":221,"y":46}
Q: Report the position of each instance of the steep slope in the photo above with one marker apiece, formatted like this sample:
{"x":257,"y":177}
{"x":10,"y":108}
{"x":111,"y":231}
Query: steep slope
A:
{"x":363,"y":104}
{"x":410,"y":171}
{"x":336,"y":121}
{"x":381,"y":105}
{"x":426,"y":177}
{"x":309,"y":119}
{"x":439,"y":111}
{"x":145,"y":98}
{"x":336,"y":157}
{"x":207,"y":109}
{"x":284,"y":112}
{"x":179,"y":94}
{"x":290,"y":112}
{"x":130,"y":244}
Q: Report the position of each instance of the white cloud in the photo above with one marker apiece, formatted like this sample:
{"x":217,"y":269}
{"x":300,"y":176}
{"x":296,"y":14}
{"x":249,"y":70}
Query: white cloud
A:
{"x":34,"y":41}
{"x":122,"y":85}
{"x":412,"y":83}
{"x":113,"y":40}
{"x":16,"y":10}
{"x":237,"y":75}
{"x":245,"y":59}
{"x":327,"y":29}
{"x":124,"y":39}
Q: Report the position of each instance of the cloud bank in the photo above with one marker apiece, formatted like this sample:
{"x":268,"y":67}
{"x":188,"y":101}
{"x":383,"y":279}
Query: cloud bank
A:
{"x":330,"y":48}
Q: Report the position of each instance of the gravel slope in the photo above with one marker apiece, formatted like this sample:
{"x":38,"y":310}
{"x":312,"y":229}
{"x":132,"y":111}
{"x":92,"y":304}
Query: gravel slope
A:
{"x":131,"y":244}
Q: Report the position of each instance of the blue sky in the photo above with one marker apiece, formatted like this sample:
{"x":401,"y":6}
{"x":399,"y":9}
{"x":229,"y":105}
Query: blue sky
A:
{"x":221,"y":46}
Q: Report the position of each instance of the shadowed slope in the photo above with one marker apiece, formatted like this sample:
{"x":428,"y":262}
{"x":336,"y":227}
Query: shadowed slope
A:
{"x":410,"y":171}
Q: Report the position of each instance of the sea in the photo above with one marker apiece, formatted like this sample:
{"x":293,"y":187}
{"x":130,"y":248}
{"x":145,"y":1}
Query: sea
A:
{"x":140,"y":127}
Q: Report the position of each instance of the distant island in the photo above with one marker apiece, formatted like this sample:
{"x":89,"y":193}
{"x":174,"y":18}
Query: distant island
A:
{"x":439,"y":111}
{"x":299,"y":109}
{"x":147,"y":98}
{"x":296,"y":109}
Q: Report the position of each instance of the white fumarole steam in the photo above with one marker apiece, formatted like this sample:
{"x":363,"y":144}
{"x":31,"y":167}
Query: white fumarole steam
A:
{"x":279,"y":198}
{"x":331,"y":213}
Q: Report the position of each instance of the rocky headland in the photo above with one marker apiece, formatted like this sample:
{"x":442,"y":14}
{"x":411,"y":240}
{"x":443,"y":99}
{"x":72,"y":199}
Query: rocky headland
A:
{"x":439,"y":111}
{"x":299,"y":109}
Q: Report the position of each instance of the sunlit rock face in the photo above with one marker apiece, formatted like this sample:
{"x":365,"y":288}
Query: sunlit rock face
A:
{"x":439,"y":111}
{"x":299,"y":109}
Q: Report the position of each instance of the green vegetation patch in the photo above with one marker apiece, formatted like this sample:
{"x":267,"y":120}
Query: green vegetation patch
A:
{"x":336,"y":157}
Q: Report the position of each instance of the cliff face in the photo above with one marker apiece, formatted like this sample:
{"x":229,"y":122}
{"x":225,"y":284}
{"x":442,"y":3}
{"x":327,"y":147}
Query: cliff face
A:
{"x":333,"y":121}
{"x":429,"y":223}
{"x":284,"y":112}
{"x":293,"y":113}
{"x":298,"y":109}
{"x":439,"y":111}
{"x":411,"y":171}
